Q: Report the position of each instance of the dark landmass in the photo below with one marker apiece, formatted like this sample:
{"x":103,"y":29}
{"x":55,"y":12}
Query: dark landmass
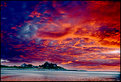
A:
{"x":48,"y":65}
{"x":45,"y":66}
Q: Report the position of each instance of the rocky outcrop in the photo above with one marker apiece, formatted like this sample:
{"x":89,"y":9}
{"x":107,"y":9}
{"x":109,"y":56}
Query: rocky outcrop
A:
{"x":48,"y":65}
{"x":27,"y":65}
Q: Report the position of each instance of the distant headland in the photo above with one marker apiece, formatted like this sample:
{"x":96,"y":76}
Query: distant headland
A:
{"x":45,"y":66}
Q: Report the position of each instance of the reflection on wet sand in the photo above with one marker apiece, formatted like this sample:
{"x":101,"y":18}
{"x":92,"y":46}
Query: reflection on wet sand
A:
{"x":34,"y":75}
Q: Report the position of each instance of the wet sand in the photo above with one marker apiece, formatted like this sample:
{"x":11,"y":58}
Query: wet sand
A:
{"x":35,"y":75}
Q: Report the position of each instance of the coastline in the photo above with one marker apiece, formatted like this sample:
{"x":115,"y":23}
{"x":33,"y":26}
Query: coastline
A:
{"x":54,"y":75}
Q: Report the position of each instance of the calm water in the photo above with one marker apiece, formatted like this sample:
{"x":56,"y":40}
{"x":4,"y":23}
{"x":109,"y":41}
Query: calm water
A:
{"x":35,"y":75}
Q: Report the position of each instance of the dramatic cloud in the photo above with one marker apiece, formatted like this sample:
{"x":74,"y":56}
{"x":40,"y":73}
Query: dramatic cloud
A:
{"x":74,"y":34}
{"x":2,"y":61}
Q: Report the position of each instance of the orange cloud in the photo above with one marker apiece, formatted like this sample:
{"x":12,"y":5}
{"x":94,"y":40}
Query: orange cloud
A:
{"x":81,"y":36}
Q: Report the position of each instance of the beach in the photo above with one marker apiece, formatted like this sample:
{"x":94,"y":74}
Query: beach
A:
{"x":52,"y":75}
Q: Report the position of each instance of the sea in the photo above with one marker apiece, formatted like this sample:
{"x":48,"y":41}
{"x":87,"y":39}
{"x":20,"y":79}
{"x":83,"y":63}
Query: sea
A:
{"x":53,"y":75}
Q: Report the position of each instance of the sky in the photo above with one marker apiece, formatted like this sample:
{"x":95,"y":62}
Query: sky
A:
{"x":82,"y":35}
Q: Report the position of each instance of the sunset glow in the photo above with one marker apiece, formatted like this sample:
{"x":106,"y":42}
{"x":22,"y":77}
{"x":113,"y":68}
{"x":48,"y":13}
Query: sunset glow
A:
{"x":116,"y":51}
{"x":72,"y":34}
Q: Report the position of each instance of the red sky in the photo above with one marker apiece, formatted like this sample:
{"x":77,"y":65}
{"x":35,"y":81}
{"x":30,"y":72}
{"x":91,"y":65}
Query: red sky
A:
{"x":72,"y":34}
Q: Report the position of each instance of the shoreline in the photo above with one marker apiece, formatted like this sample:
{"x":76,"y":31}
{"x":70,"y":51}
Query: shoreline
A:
{"x":49,"y":75}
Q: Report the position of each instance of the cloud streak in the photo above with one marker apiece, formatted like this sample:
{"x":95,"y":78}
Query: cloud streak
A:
{"x":75,"y":34}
